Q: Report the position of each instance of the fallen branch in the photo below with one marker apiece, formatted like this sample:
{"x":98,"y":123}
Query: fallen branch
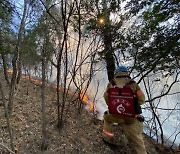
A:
{"x":2,"y":145}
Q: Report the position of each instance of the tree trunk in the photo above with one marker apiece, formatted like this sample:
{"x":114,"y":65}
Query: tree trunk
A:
{"x":109,"y":58}
{"x":16,"y":61}
{"x":20,"y":40}
{"x":5,"y":68}
{"x":107,"y":38}
{"x":43,"y":105}
{"x":12,"y":86}
{"x":59,"y":123}
{"x":4,"y":60}
{"x":7,"y":119}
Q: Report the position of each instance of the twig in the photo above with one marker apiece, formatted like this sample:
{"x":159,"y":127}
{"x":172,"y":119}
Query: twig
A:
{"x":7,"y":148}
{"x":174,"y":139}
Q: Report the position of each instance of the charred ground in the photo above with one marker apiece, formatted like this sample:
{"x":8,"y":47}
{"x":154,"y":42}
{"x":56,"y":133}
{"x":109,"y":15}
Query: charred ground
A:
{"x":80,"y":134}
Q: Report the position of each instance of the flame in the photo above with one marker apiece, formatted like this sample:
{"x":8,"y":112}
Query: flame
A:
{"x":91,"y":106}
{"x":36,"y":81}
{"x":83,"y":97}
{"x":10,"y":71}
{"x":89,"y":103}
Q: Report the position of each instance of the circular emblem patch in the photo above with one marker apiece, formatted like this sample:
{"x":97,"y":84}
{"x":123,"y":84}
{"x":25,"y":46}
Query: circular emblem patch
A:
{"x":120,"y":109}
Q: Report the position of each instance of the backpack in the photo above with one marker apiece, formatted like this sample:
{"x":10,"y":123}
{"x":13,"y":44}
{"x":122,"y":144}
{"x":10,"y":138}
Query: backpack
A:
{"x":123,"y":101}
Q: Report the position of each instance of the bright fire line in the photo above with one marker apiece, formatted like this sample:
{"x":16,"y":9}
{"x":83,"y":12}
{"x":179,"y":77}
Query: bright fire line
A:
{"x":83,"y":97}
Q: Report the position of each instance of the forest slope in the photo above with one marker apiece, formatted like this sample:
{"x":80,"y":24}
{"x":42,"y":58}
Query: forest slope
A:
{"x":80,"y":134}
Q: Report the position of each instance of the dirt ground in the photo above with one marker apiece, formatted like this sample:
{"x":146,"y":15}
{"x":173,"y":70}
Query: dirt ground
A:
{"x":80,"y":133}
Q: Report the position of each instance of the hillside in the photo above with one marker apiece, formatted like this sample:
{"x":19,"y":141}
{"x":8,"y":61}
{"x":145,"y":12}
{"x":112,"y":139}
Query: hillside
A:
{"x":80,"y":134}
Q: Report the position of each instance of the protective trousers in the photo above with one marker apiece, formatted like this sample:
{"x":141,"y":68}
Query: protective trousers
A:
{"x":132,"y":128}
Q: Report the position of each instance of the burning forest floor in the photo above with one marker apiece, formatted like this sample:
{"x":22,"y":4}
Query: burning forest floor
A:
{"x":80,"y":134}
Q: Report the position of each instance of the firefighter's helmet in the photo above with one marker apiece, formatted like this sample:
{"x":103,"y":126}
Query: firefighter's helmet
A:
{"x":121,"y":69}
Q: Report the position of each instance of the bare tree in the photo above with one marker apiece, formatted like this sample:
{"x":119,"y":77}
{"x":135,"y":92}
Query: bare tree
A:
{"x":16,"y":64}
{"x":7,"y":118}
{"x":43,"y":104}
{"x":5,"y":67}
{"x":155,"y":98}
{"x":74,"y":57}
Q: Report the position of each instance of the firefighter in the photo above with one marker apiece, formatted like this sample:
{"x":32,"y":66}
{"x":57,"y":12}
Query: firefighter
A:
{"x":131,"y":126}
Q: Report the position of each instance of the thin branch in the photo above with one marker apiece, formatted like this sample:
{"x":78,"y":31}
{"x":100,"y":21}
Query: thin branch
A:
{"x":48,"y":12}
{"x":159,"y":108}
{"x":175,"y":139}
{"x":164,"y":94}
{"x":168,"y":90}
{"x":2,"y":145}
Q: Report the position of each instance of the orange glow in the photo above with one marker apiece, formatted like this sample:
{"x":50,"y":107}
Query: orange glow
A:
{"x":36,"y":81}
{"x":83,"y":97}
{"x":91,"y":106}
{"x":10,"y":71}
{"x":101,"y":21}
